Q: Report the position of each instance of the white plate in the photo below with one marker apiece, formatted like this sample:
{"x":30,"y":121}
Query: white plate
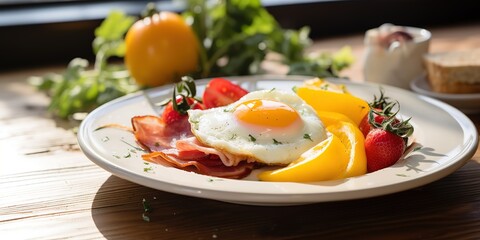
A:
{"x":467,"y":103}
{"x":448,"y":139}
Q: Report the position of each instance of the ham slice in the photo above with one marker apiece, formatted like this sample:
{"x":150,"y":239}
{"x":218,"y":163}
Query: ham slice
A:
{"x":191,"y":144}
{"x":208,"y":165}
{"x":153,"y":134}
{"x":174,"y":145}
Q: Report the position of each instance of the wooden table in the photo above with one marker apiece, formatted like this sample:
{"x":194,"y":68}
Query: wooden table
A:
{"x":50,"y":190}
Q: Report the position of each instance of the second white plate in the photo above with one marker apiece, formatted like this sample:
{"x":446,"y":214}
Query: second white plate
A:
{"x":467,"y":103}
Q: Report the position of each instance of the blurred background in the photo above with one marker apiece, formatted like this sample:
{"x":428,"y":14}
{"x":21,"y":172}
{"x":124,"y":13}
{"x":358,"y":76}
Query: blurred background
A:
{"x":46,"y":32}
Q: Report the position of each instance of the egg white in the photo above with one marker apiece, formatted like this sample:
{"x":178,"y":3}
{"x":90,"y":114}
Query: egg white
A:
{"x":218,"y":128}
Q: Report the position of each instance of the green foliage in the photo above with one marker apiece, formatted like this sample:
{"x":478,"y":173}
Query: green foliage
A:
{"x":235,"y":37}
{"x":80,"y":89}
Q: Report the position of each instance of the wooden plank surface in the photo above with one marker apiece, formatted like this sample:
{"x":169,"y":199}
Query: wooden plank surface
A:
{"x":50,"y":190}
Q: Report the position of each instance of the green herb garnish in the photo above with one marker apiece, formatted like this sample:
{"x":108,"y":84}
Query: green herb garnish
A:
{"x":307,"y":136}
{"x":252,"y":138}
{"x":146,"y":209}
{"x":276,"y":142}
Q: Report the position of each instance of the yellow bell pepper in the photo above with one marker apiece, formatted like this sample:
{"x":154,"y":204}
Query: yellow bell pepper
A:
{"x":327,"y":160}
{"x":322,"y":96}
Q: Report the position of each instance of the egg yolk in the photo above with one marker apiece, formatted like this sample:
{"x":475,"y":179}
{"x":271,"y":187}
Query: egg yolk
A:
{"x":266,"y":113}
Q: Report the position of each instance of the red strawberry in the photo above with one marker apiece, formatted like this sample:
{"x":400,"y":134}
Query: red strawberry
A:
{"x":385,"y":143}
{"x":383,"y":149}
{"x":171,"y":115}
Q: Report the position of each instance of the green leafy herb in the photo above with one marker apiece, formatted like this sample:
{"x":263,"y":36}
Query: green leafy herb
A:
{"x":81,"y":88}
{"x":276,"y":142}
{"x":235,"y":37}
{"x":324,"y":65}
{"x":252,"y":138}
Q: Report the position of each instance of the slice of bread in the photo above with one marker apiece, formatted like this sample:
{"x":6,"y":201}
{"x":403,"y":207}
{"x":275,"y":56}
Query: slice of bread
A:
{"x":454,"y":72}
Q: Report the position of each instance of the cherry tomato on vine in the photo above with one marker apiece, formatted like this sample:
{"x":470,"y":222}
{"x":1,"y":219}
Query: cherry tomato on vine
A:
{"x":221,"y":92}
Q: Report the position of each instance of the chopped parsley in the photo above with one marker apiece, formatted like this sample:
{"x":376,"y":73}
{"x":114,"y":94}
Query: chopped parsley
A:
{"x":212,"y":180}
{"x":307,"y":136}
{"x":146,"y":209}
{"x":416,"y":149}
{"x":276,"y":142}
{"x":134,"y":147}
{"x":324,"y":87}
{"x":252,"y":138}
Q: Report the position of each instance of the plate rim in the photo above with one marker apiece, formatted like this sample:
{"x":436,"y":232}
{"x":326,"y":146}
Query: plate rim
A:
{"x":266,"y":198}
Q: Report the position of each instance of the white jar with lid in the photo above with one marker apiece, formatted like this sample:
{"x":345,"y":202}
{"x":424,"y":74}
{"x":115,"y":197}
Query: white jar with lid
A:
{"x":394,"y":54}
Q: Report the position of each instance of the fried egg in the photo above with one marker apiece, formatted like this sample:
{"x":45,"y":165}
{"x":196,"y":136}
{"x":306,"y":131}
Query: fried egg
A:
{"x":273,"y":127}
